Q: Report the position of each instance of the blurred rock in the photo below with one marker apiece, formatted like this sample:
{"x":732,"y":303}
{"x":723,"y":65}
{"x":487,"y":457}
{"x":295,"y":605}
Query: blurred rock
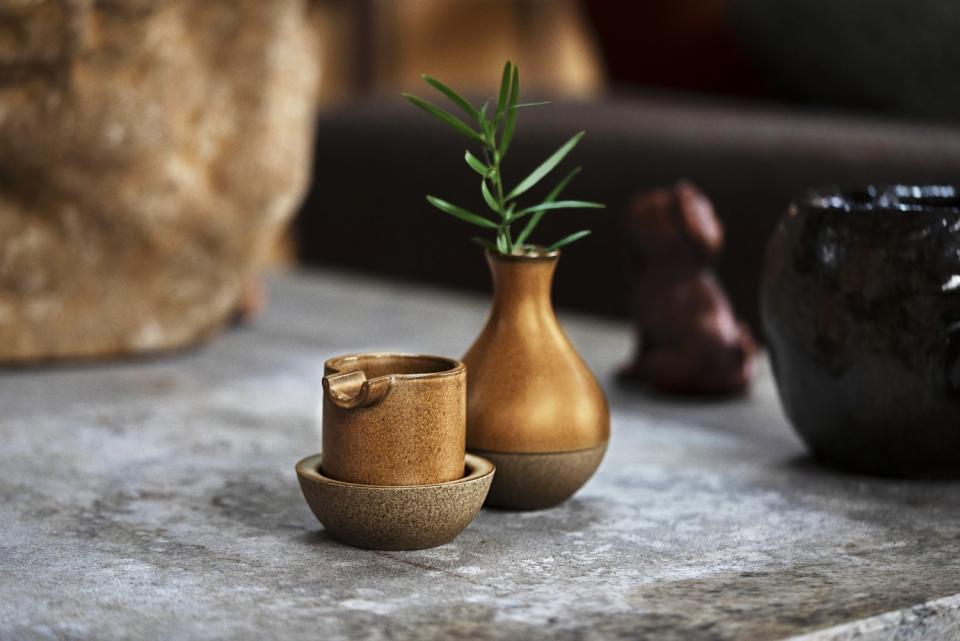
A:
{"x":688,"y":339}
{"x":150,"y":152}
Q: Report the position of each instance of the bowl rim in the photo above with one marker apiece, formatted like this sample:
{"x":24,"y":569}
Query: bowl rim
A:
{"x":477,"y":468}
{"x":893,"y":198}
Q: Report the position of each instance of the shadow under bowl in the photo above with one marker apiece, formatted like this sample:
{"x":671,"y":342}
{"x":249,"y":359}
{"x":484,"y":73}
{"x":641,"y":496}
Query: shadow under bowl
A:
{"x":395,"y":517}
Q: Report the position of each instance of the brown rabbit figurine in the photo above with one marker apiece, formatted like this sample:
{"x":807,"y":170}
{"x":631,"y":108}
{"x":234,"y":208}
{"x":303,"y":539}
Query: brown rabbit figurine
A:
{"x":688,"y":339}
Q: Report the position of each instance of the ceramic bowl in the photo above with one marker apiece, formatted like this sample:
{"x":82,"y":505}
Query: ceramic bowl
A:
{"x":395,"y":517}
{"x":861,"y":307}
{"x":536,"y":481}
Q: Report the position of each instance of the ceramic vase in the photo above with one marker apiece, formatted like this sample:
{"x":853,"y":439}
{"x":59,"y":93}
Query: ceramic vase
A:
{"x":860,"y":301}
{"x":533,"y":407}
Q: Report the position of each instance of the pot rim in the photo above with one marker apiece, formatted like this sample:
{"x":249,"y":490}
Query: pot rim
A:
{"x":936,"y":200}
{"x":454,"y":366}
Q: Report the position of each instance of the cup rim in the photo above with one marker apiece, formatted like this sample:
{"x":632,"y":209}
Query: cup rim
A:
{"x":454,"y":366}
{"x":477,"y":468}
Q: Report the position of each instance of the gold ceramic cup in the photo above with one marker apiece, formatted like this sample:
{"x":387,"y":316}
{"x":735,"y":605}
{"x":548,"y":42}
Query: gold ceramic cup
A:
{"x":394,"y":419}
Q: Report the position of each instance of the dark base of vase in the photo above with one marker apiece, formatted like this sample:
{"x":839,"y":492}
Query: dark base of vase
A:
{"x":535,"y":480}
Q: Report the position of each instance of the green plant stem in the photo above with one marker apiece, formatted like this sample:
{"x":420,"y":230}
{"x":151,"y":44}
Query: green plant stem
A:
{"x":491,"y":148}
{"x":497,"y":180}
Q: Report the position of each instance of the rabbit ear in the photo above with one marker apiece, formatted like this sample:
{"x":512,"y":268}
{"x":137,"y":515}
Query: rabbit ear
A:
{"x":697,"y":219}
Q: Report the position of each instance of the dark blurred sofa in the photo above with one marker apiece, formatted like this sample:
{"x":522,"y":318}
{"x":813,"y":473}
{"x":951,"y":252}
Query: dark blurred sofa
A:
{"x":376,"y":159}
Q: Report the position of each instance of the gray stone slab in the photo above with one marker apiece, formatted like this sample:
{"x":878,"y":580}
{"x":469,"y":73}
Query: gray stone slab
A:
{"x":157,"y":499}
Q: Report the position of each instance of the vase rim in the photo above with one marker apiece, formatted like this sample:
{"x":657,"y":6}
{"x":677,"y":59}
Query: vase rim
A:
{"x":539,"y":255}
{"x":884,"y":199}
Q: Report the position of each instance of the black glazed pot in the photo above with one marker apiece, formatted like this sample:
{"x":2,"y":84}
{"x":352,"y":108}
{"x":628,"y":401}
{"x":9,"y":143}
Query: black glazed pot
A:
{"x":860,"y":300}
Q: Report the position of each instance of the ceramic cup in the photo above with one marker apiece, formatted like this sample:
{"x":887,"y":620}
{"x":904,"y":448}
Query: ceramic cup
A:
{"x":394,"y":419}
{"x":861,"y":307}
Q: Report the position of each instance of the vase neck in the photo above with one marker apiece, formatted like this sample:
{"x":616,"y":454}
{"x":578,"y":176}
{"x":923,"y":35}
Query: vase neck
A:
{"x":521,"y":280}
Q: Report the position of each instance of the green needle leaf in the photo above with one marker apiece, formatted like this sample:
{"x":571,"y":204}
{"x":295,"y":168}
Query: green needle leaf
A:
{"x":483,"y":242}
{"x":531,"y":104}
{"x":484,"y":123}
{"x":560,"y":204}
{"x":545,"y":168}
{"x":504,"y":94}
{"x":461,"y":213}
{"x":568,"y":239}
{"x":531,"y":225}
{"x":552,"y":196}
{"x":454,"y":97}
{"x":488,"y":197}
{"x":511,"y":112}
{"x":445,"y":116}
{"x":476,"y":164}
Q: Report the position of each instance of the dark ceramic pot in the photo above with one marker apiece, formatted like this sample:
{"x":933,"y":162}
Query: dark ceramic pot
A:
{"x":860,"y":302}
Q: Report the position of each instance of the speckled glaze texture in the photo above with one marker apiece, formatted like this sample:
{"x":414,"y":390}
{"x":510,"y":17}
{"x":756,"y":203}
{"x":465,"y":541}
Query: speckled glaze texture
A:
{"x":528,"y":391}
{"x":411,"y":517}
{"x":394,"y":419}
{"x":531,"y":481}
{"x":860,"y":301}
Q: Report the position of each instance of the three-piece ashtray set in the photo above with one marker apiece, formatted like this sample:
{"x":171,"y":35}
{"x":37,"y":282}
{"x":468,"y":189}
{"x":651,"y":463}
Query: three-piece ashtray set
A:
{"x":394,"y":473}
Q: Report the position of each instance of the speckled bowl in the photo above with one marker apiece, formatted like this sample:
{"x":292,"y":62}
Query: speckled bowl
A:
{"x":395,"y":517}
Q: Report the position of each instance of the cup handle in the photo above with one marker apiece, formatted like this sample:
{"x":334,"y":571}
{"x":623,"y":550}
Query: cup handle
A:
{"x":353,"y":390}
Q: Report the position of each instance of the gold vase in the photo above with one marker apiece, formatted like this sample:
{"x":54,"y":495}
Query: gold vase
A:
{"x":533,"y":406}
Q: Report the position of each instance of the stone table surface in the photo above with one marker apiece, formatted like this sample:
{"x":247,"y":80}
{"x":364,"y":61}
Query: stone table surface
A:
{"x":157,"y":499}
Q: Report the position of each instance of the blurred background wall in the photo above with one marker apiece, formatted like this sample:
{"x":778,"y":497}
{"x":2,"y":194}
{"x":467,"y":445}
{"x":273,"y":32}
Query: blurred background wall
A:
{"x":382,"y":46}
{"x":152,"y":151}
{"x":754,"y":101}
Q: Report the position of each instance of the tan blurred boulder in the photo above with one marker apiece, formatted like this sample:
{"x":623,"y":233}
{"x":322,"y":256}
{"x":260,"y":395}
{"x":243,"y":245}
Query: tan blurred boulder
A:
{"x":150,"y":152}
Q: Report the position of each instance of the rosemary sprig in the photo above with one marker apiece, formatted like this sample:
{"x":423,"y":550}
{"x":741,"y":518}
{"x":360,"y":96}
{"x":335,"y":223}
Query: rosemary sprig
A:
{"x":494,"y":135}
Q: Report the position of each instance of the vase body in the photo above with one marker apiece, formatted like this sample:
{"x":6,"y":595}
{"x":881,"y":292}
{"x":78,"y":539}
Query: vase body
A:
{"x":533,"y":406}
{"x":860,"y":301}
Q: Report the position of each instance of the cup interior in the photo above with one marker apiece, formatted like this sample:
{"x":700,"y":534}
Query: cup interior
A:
{"x":406,"y":365}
